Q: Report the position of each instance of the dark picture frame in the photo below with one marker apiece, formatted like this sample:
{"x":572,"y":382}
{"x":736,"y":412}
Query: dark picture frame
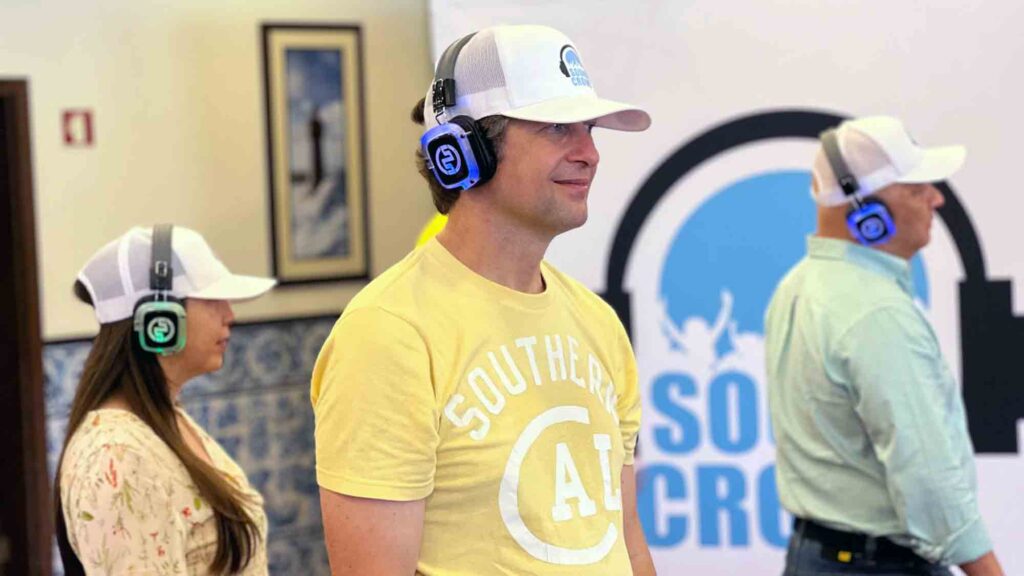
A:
{"x":316,"y":152}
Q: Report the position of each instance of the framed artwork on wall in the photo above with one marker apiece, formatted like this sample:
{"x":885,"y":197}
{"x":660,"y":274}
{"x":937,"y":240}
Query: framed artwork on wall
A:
{"x":316,"y":148}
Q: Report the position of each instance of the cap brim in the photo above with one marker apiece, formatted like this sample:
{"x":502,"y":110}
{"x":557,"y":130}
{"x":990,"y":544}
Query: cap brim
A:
{"x":235,"y":287}
{"x":936,"y":164}
{"x":585,"y":108}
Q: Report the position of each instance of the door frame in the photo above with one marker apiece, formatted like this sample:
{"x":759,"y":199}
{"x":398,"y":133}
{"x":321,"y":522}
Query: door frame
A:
{"x":27,"y":514}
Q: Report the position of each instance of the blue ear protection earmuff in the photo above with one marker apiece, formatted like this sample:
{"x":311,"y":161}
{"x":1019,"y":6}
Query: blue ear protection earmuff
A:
{"x":869,"y":219}
{"x":159,"y":319}
{"x":456,"y":150}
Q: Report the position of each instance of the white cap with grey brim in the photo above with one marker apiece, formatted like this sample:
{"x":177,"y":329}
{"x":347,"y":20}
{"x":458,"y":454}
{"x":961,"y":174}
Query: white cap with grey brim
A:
{"x":117,"y":275}
{"x":880,"y":152}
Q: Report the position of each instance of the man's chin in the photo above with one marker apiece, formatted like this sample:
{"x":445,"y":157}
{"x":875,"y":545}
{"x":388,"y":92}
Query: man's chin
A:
{"x":568,"y":225}
{"x":580,"y":221}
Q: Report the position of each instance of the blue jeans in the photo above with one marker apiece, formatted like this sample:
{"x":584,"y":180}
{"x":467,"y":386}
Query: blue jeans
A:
{"x":803,"y":558}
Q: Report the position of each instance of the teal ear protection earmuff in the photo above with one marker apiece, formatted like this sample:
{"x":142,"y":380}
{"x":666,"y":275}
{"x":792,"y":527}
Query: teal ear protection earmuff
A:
{"x":159,"y":319}
{"x":868,"y":219}
{"x":457,"y":152}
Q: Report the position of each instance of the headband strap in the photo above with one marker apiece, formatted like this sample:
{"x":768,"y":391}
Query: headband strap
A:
{"x":847,"y":181}
{"x":161,"y":273}
{"x":443,"y":95}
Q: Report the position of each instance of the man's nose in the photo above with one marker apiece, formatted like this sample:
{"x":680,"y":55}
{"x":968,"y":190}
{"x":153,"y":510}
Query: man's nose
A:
{"x":584,"y":149}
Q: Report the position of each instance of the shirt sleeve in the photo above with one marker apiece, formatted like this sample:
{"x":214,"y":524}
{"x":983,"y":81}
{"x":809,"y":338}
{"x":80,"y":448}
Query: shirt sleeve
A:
{"x":628,"y":405}
{"x":377,"y":419}
{"x":913,"y":415}
{"x":119,"y":515}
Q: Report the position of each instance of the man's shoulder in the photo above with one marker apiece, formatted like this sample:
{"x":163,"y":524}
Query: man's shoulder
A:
{"x":394,"y":286}
{"x":577,"y":293}
{"x":411,"y":297}
{"x":846,"y":286}
{"x":838,"y":295}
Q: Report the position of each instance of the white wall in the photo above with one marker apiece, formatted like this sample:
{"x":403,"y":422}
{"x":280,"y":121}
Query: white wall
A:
{"x":177,"y":93}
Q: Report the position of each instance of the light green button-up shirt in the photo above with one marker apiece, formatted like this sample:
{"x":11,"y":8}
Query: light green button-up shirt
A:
{"x":868,"y":420}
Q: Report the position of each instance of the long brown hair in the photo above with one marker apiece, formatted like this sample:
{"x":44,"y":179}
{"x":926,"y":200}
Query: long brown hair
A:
{"x":118,"y":365}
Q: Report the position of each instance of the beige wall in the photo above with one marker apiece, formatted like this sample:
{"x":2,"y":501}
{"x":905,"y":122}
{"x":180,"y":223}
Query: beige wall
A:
{"x":177,"y":93}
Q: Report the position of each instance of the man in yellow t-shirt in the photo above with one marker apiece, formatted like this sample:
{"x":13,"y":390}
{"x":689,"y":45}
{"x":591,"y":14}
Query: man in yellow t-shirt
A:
{"x":476,"y":409}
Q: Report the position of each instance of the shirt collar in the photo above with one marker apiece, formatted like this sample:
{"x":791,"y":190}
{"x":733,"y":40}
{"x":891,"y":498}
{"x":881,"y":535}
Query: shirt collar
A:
{"x":876,"y":261}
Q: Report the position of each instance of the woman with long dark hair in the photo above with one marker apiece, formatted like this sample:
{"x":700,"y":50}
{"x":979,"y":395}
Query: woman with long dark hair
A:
{"x":141,"y":488}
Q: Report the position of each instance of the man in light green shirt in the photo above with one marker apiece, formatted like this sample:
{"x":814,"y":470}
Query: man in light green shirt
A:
{"x":874,"y":458}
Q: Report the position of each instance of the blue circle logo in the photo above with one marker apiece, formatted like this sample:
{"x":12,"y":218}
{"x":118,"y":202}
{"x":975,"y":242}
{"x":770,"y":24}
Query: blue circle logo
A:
{"x":572,"y":67}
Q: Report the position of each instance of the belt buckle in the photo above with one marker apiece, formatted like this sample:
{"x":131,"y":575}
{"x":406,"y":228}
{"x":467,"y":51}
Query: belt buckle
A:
{"x":840,"y":555}
{"x":847,"y":556}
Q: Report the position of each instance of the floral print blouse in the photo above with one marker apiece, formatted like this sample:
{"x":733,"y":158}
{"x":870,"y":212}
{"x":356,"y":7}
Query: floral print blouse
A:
{"x":131,"y":507}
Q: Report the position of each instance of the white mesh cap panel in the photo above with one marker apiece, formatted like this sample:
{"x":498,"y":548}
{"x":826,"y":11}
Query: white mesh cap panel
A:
{"x":479,"y":65}
{"x":97,"y":276}
{"x":880,"y":152}
{"x":862,"y":155}
{"x":117,"y":276}
{"x":139,"y":263}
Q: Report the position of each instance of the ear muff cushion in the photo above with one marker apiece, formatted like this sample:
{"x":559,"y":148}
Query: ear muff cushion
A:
{"x":458,"y":153}
{"x":481,"y":146}
{"x":871,"y":223}
{"x":450,"y":156}
{"x":160,"y":325}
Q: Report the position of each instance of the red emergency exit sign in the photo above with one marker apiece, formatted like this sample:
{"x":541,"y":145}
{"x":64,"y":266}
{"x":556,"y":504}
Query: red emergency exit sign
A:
{"x":78,"y":128}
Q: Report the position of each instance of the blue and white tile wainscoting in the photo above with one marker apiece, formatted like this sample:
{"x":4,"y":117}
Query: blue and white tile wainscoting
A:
{"x":257,"y":406}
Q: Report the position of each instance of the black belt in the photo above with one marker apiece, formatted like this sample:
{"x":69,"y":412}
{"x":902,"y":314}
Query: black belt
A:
{"x":846,"y":547}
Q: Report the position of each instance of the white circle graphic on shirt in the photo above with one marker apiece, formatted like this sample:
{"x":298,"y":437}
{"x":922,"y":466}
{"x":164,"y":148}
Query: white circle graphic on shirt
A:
{"x":508,"y":496}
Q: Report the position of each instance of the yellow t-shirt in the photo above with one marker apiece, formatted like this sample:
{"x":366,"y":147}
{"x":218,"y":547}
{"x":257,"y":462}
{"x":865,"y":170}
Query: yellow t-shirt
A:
{"x":512,"y":414}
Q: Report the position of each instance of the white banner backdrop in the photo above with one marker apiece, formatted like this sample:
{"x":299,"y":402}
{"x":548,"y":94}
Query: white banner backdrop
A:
{"x":697,"y":219}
